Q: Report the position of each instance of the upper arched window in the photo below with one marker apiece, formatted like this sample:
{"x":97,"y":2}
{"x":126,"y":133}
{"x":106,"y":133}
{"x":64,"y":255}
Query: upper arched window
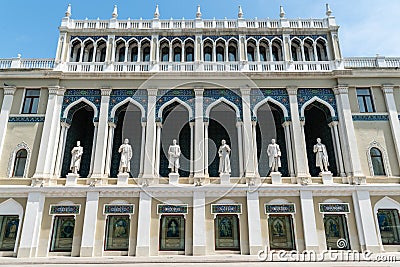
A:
{"x":101,"y":51}
{"x":377,"y":161}
{"x":295,"y":48}
{"x":19,"y":163}
{"x":177,"y":54}
{"x":145,"y":51}
{"x":75,"y":51}
{"x":207,"y":53}
{"x":322,"y":52}
{"x":220,"y":53}
{"x":189,"y":51}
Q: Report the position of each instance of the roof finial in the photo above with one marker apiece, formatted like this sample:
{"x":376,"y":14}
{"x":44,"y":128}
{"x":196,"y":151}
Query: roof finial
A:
{"x":68,"y":11}
{"x":115,"y":12}
{"x":198,"y":13}
{"x":157,"y":13}
{"x":328,"y":10}
{"x":282,"y":12}
{"x":240,"y":13}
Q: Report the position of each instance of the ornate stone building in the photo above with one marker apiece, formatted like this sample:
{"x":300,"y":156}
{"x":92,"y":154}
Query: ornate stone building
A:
{"x":198,"y":81}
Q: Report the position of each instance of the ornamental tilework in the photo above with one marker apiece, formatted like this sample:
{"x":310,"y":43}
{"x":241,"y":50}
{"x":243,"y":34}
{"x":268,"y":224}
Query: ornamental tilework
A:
{"x":326,"y":94}
{"x":314,"y":37}
{"x":119,"y":95}
{"x":280,"y":95}
{"x":26,"y":119}
{"x":72,"y":95}
{"x":165,"y":95}
{"x":215,"y":37}
{"x":84,"y":38}
{"x":370,"y":117}
{"x":232,"y":95}
{"x":127,"y":38}
{"x":269,"y":37}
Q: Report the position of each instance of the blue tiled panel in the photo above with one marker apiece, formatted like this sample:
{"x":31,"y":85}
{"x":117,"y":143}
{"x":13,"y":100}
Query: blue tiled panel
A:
{"x":370,"y":117}
{"x":72,"y":95}
{"x":165,"y":95}
{"x":119,"y":95}
{"x":280,"y":95}
{"x":29,"y":119}
{"x":326,"y":94}
{"x":212,"y":95}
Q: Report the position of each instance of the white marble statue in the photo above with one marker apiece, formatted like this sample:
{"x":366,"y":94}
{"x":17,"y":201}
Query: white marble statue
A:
{"x":174,"y":152}
{"x":76,"y":153}
{"x":321,"y":156}
{"x":274,"y":154}
{"x":126,"y":155}
{"x":224,"y":161}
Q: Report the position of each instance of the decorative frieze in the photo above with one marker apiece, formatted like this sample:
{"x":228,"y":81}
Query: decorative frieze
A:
{"x":369,"y":117}
{"x":65,"y":209}
{"x":172,"y":209}
{"x":279,"y":208}
{"x":26,"y":119}
{"x":334,"y":207}
{"x":226,"y":208}
{"x":119,"y":209}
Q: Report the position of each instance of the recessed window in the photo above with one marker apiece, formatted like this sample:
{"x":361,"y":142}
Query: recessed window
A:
{"x":388,"y":220}
{"x":8,"y":232}
{"x":63,"y":234}
{"x":117,"y":233}
{"x":364,"y":98}
{"x":377,"y":161}
{"x":31,"y":101}
{"x":336,"y":229}
{"x":19,"y":163}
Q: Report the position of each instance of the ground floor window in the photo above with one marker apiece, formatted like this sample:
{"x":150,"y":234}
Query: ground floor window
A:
{"x":336,"y":232}
{"x":227,"y":232}
{"x":389,"y":224}
{"x":117,"y":233}
{"x":9,"y":229}
{"x":281,"y":232}
{"x":172,"y":233}
{"x":63,"y":233}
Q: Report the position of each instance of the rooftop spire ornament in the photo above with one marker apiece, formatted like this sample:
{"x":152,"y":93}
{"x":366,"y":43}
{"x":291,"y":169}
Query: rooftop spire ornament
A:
{"x":198,"y":13}
{"x":328,"y":10}
{"x":240,"y":13}
{"x":68,"y":11}
{"x":115,"y":12}
{"x":282,"y":12}
{"x":157,"y":13}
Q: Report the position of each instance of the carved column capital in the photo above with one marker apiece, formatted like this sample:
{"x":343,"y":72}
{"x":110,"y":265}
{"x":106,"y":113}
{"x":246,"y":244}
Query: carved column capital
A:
{"x":152,"y":91}
{"x":9,"y":90}
{"x":292,"y":90}
{"x":198,"y":91}
{"x":106,"y":91}
{"x":387,"y":88}
{"x":341,"y":89}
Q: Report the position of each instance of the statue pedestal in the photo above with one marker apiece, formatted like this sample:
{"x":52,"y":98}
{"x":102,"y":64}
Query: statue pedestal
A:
{"x":225,"y":178}
{"x":71,"y":179}
{"x":327,"y":177}
{"x":173,"y":178}
{"x":276,"y":177}
{"x":122,"y":179}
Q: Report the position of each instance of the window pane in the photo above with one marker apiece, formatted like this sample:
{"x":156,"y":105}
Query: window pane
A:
{"x":32,"y":92}
{"x":27,"y":106}
{"x":375,"y":152}
{"x":281,"y":233}
{"x":35,"y":105}
{"x":117,"y":233}
{"x":377,"y":165}
{"x":369,"y":105}
{"x":172,"y":231}
{"x":388,"y":221}
{"x":361,"y":104}
{"x":227,"y":232}
{"x":335,"y":229}
{"x":364,"y":92}
{"x":63,"y":233}
{"x":8,"y":232}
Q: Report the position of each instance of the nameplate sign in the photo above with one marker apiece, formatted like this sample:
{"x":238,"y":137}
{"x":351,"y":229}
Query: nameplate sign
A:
{"x":65,"y":209}
{"x":279,"y":208}
{"x":334,"y":207}
{"x":226,"y":208}
{"x":119,"y":209}
{"x":172,"y":209}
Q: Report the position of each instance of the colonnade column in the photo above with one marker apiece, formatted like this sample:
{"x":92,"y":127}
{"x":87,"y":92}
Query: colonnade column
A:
{"x":254,"y":130}
{"x":50,"y":135}
{"x":393,"y":117}
{"x":199,"y":135}
{"x":309,"y":224}
{"x":205,"y":154}
{"x":150,"y":147}
{"x":5,"y":113}
{"x":89,"y":224}
{"x":142,"y":148}
{"x":249,"y":166}
{"x":345,"y":115}
{"x":31,"y":228}
{"x":240,"y":146}
{"x":93,"y":152}
{"x":143,"y":231}
{"x":61,"y":148}
{"x":338,"y":147}
{"x":99,"y":165}
{"x":365,"y":219}
{"x":191,"y":125}
{"x":111,"y":129}
{"x":254,"y":219}
{"x":158,"y":148}
{"x":300,"y":155}
{"x":199,"y":228}
{"x":286,"y":127}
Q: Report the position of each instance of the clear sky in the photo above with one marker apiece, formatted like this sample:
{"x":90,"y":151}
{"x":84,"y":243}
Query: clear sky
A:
{"x":30,"y":27}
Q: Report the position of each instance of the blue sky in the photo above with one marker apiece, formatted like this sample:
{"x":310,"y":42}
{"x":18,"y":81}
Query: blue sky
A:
{"x":368,"y":27}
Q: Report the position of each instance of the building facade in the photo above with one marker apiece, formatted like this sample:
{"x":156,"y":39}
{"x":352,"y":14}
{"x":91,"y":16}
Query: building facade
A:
{"x":198,"y":81}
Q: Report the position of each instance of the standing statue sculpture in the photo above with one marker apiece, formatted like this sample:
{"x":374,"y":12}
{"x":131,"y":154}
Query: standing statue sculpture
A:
{"x":174,"y":152}
{"x":76,"y":153}
{"x":274,"y":154}
{"x":126,"y":155}
{"x":321,"y":156}
{"x":224,"y":161}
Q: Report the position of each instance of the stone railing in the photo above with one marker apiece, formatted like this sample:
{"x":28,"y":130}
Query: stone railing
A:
{"x":28,"y":63}
{"x":192,"y":24}
{"x":371,"y":62}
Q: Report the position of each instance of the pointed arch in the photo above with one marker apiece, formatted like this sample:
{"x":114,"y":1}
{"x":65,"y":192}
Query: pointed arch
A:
{"x":263,"y":39}
{"x":84,"y":100}
{"x":132,"y":39}
{"x":76,"y":39}
{"x":270,"y":99}
{"x":208,"y":39}
{"x":12,"y":159}
{"x":123,"y":102}
{"x":279,"y":201}
{"x":145,"y":39}
{"x":322,"y":39}
{"x":163,"y":39}
{"x":175,"y":99}
{"x":89,"y":39}
{"x":323,"y":102}
{"x":222,"y":100}
{"x":120,"y":39}
{"x":295,"y":39}
{"x":188,"y":40}
{"x":276,"y":39}
{"x":220,"y":39}
{"x":251,"y":39}
{"x":307,"y":38}
{"x":386,"y":203}
{"x":101,"y":39}
{"x":11,"y":207}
